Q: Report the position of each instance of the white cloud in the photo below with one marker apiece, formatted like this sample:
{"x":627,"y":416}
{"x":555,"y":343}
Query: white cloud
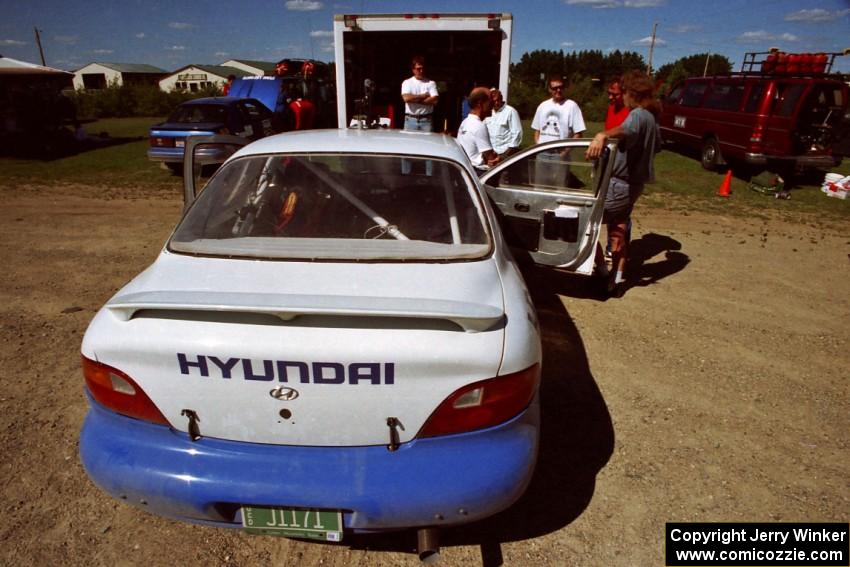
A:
{"x":177,"y":48}
{"x":597,"y":4}
{"x":181,"y":25}
{"x":761,"y":36}
{"x":140,"y":35}
{"x":102,"y":51}
{"x":12,"y":42}
{"x":303,"y":5}
{"x":643,"y":3}
{"x":686,"y":28}
{"x":321,"y":33}
{"x":816,"y":16}
{"x":602,"y":4}
{"x":66,"y":39}
{"x":567,"y":44}
{"x":648,"y":41}
{"x":291,"y":50}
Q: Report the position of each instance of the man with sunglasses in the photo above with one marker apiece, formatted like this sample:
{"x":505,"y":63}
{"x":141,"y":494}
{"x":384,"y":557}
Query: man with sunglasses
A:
{"x":420,"y":97}
{"x":556,"y":118}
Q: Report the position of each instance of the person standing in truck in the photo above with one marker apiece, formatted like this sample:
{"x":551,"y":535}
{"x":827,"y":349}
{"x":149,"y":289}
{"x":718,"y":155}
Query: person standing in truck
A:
{"x":420,"y":97}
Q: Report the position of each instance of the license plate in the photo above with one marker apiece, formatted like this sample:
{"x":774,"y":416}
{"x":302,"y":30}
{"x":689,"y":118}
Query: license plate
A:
{"x":179,"y":143}
{"x":325,"y":525}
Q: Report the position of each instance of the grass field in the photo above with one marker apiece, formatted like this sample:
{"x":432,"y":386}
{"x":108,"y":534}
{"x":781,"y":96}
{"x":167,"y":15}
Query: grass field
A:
{"x":120,"y":160}
{"x":117,"y":159}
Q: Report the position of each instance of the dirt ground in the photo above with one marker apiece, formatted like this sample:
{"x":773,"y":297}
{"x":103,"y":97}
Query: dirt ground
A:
{"x":716,"y":389}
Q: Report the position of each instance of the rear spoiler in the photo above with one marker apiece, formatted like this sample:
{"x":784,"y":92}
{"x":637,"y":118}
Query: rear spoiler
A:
{"x":471,"y":317}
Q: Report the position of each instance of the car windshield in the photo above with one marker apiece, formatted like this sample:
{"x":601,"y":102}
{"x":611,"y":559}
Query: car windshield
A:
{"x":336,"y":206}
{"x":198,"y":113}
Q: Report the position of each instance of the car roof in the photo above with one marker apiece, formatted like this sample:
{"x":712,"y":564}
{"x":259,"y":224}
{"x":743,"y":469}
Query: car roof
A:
{"x":359,"y":141}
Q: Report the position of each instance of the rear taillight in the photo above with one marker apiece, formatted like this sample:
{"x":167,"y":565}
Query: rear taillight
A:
{"x":158,"y":142}
{"x":483,"y":404}
{"x":757,"y":137}
{"x":223,"y":131}
{"x":118,"y":392}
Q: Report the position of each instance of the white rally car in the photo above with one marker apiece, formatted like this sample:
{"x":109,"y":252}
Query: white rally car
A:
{"x":336,"y":337}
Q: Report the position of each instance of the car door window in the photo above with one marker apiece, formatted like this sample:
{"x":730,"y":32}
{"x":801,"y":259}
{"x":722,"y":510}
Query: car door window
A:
{"x":673,"y":97}
{"x":754,"y":98}
{"x":550,"y":201}
{"x":556,"y":169}
{"x":693,"y":94}
{"x":724,"y":96}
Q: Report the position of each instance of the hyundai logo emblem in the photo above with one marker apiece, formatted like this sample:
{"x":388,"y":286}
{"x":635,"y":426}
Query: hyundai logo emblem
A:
{"x":285,"y":394}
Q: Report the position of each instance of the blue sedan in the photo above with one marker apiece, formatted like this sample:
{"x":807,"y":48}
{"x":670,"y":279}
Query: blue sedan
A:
{"x":244,"y":117}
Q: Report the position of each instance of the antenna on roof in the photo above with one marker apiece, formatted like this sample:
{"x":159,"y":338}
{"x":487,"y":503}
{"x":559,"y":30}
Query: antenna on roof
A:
{"x":40,"y":50}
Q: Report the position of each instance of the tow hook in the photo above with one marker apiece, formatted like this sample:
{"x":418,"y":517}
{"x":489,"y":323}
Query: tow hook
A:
{"x":393,"y":423}
{"x":194,"y":430}
{"x":428,"y":545}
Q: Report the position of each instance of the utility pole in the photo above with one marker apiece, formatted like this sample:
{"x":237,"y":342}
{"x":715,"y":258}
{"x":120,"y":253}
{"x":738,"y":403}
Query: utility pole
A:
{"x":651,"y":49}
{"x":40,"y":50}
{"x":705,"y":71}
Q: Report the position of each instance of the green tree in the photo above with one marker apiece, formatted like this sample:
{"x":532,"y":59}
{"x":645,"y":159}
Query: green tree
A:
{"x":587,"y":73}
{"x":695,"y":65}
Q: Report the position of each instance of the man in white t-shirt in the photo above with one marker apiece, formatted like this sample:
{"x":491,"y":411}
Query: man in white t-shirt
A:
{"x":420,"y":97}
{"x":472,"y":134}
{"x":556,"y":118}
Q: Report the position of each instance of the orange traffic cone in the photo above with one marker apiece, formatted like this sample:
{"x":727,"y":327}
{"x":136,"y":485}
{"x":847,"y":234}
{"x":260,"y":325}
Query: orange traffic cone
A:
{"x":725,"y":187}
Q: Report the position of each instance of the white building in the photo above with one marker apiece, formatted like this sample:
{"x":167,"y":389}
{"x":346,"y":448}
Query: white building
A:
{"x":193,"y":78}
{"x":252,"y":67}
{"x":101,"y":75}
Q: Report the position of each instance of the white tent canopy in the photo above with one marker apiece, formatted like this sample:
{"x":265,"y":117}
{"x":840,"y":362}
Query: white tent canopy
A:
{"x":10,"y":66}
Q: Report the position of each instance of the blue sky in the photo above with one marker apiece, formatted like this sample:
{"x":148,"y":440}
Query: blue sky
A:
{"x":172,"y":33}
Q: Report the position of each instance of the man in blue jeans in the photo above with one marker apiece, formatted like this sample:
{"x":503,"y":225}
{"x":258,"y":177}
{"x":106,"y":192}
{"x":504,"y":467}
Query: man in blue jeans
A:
{"x":420,"y":97}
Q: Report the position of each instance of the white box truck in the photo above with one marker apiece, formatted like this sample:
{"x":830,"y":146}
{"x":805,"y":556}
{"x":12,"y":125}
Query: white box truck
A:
{"x":374,"y":52}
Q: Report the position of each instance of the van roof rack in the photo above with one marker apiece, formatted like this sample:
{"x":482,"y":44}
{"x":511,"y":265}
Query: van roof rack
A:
{"x":776,"y":62}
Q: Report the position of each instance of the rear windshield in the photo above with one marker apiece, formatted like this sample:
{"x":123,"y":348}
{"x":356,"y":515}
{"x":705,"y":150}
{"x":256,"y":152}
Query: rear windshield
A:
{"x":199,"y":113}
{"x":336,"y":206}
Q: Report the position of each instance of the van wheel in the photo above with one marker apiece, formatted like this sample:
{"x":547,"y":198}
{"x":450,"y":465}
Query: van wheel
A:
{"x":710,"y":157}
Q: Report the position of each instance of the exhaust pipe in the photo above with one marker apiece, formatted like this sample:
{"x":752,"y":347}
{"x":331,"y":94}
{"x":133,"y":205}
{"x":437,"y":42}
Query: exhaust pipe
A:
{"x":428,"y":545}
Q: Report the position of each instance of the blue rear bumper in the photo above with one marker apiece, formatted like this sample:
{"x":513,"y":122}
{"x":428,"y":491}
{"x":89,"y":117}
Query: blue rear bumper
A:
{"x":434,"y":482}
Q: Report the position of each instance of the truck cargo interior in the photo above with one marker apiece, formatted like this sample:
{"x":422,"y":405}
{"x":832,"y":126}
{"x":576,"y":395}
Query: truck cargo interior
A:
{"x":456,"y":60}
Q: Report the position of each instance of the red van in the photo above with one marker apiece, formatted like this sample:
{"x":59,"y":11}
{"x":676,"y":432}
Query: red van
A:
{"x":765,"y":116}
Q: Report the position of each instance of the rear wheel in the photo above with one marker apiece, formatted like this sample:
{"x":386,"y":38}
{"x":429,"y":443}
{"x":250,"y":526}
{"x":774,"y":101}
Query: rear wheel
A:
{"x":176,"y":168}
{"x":710,"y":156}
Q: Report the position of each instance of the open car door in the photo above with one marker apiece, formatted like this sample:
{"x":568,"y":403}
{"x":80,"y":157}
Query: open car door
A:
{"x":201,"y":157}
{"x":551,"y":200}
